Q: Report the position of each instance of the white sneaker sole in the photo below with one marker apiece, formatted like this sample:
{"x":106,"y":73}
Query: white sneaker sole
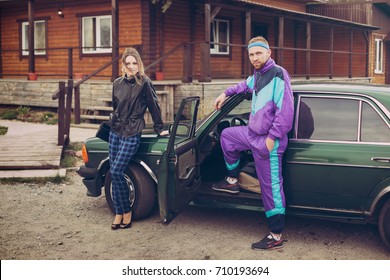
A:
{"x":225,"y":190}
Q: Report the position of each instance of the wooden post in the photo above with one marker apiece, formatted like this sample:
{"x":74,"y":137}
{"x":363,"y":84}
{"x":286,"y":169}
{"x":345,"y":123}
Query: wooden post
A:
{"x":205,"y":62}
{"x":61,"y":113}
{"x":281,"y":41}
{"x":205,"y":47}
{"x":187,"y":65}
{"x":31,"y":28}
{"x":367,"y":38}
{"x":70,"y":63}
{"x":295,"y":47}
{"x":115,"y":39}
{"x":248,"y":34}
{"x":68,"y":110}
{"x":350,"y":53}
{"x":331,"y":58}
{"x":77,"y":105}
{"x":308,"y":49}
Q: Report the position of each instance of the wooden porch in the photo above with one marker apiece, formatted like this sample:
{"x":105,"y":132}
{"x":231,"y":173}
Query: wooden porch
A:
{"x":31,"y":150}
{"x":307,"y":45}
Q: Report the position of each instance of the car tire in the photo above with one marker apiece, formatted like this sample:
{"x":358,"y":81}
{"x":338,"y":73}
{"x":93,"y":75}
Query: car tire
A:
{"x":384,"y":223}
{"x":142,"y":191}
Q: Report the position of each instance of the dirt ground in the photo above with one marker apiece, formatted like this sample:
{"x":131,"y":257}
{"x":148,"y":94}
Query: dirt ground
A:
{"x":47,"y":221}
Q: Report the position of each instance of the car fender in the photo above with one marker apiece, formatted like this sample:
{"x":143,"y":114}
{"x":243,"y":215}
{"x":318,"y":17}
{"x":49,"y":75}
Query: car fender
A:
{"x":104,"y":166}
{"x":102,"y":169}
{"x":377,"y":197}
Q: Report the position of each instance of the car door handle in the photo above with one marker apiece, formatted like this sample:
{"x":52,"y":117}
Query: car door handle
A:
{"x":381,"y":159}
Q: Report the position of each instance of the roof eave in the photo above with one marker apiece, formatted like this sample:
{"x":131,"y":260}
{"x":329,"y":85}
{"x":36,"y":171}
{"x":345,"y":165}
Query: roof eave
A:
{"x":311,"y":17}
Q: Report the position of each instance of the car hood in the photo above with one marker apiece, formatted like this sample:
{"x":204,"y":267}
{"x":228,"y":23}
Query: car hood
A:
{"x":150,"y":143}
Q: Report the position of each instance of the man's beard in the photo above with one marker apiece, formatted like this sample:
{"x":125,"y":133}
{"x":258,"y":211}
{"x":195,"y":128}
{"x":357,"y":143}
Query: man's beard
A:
{"x":258,"y":65}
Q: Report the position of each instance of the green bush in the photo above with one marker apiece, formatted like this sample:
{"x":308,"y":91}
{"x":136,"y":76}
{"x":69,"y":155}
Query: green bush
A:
{"x":23,"y":113}
{"x":23,"y":110}
{"x":9,"y":115}
{"x":3,"y":130}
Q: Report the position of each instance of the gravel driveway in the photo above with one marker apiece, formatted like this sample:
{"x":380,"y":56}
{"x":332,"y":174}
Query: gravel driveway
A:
{"x":58,"y":221}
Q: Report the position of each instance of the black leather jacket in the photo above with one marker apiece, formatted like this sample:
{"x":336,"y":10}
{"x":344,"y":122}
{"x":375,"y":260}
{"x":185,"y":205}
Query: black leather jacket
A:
{"x":130,"y":101}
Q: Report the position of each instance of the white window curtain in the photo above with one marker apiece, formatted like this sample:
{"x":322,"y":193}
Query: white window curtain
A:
{"x":220,"y":33}
{"x":97,"y":34}
{"x":378,"y":56}
{"x":39,"y":37}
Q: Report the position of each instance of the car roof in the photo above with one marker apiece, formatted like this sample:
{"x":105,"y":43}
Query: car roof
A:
{"x":379,"y":92}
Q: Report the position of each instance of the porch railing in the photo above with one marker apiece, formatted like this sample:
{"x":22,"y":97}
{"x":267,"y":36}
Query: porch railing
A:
{"x":188,"y":67}
{"x":65,"y":92}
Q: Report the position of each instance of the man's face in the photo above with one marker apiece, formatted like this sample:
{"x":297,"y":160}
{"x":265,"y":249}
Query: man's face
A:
{"x":258,"y":56}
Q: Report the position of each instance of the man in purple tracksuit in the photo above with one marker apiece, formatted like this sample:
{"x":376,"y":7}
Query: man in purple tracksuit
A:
{"x":266,"y":136}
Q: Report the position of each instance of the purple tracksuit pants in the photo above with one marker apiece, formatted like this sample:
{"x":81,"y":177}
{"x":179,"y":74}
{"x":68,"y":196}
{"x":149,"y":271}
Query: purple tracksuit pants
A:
{"x":268,"y":164}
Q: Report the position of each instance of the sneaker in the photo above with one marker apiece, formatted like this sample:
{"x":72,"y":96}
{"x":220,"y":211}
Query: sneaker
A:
{"x":225,"y":186}
{"x":268,"y":243}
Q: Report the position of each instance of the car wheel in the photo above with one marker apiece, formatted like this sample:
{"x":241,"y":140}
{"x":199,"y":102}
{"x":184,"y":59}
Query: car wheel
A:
{"x":384,"y":223}
{"x":142,"y":193}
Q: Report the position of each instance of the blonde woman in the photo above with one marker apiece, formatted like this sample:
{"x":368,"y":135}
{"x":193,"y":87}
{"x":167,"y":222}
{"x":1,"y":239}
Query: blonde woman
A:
{"x":131,"y":95}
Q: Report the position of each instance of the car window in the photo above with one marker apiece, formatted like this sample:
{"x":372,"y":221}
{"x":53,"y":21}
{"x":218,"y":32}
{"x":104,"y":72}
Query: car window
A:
{"x":374,"y":128}
{"x":185,"y":125}
{"x":332,"y":119}
{"x":242,"y":109}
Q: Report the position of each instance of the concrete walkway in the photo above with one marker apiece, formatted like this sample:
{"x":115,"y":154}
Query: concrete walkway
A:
{"x":31,"y":150}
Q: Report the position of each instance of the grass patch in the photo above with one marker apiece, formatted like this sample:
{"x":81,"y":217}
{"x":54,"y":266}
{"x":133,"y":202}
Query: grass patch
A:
{"x":3,"y":130}
{"x":68,"y":161}
{"x":9,"y":114}
{"x":70,"y":158}
{"x":55,"y":180}
{"x":28,"y":114}
{"x":76,"y":146}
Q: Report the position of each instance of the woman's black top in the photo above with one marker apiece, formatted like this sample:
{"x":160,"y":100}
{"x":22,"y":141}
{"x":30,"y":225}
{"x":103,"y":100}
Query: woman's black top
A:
{"x":130,"y":101}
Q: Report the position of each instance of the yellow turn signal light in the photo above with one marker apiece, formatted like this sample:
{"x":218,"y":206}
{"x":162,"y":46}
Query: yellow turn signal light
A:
{"x":84,"y":153}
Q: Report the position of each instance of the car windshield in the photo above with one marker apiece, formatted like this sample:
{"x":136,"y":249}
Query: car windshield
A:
{"x":242,"y":109}
{"x":200,"y":122}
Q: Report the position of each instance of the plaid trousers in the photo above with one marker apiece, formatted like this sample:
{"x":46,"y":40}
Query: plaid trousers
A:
{"x":121,"y":150}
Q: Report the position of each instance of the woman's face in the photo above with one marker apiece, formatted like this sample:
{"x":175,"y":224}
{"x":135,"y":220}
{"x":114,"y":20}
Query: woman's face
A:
{"x":131,"y":66}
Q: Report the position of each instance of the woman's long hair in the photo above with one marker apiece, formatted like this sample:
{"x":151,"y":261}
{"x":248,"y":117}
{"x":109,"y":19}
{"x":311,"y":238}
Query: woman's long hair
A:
{"x":141,"y":70}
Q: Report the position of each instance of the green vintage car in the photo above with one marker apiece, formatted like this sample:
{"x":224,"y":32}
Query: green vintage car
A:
{"x":336,"y":166}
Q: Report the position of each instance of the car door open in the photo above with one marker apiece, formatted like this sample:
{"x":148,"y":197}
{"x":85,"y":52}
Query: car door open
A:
{"x":179,"y":173}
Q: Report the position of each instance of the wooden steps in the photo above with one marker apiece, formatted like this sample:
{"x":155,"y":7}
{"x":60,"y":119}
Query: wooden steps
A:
{"x":94,"y":115}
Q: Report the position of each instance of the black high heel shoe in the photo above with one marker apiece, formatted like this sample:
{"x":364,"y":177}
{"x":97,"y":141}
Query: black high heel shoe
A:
{"x":123,"y":226}
{"x":115,"y":226}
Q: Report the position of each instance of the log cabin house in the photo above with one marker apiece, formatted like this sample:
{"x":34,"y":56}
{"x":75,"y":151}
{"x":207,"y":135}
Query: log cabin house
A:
{"x":192,"y":42}
{"x":374,"y":12}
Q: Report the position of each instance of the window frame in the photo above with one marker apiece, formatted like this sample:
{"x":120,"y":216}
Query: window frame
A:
{"x":378,"y":63}
{"x":214,"y":48}
{"x":346,"y":97}
{"x":99,"y":51}
{"x":23,"y":52}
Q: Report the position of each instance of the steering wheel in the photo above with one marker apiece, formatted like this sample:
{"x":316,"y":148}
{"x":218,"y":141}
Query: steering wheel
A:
{"x":234,"y":120}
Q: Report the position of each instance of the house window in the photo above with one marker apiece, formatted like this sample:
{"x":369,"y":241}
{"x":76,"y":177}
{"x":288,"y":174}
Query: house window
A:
{"x":220,"y":33}
{"x":378,"y":56}
{"x":96,"y":34}
{"x":39,"y":37}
